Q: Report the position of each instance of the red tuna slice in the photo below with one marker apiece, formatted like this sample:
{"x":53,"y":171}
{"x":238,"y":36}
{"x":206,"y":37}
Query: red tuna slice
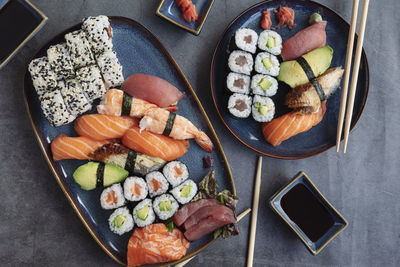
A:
{"x":202,"y":214}
{"x":310,"y":38}
{"x":215,"y":220}
{"x":152,"y":89}
{"x":187,"y":210}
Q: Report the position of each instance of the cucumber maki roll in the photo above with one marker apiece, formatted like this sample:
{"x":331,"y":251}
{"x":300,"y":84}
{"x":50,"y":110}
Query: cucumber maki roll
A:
{"x":165,"y":206}
{"x":239,"y":105}
{"x":185,"y":192}
{"x":238,"y":83}
{"x":271,"y":42}
{"x":135,"y":188}
{"x":267,"y":63}
{"x":112,"y":197}
{"x":121,"y":221}
{"x":156,"y":183}
{"x":143,"y":213}
{"x":240,"y":62}
{"x":246,"y":39}
{"x":263,"y":109}
{"x":264,"y":85}
{"x":176,"y":172}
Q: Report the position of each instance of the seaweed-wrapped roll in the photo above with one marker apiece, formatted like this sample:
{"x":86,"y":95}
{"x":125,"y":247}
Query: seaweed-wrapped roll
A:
{"x":263,"y":109}
{"x":165,"y":206}
{"x":143,"y":213}
{"x":185,"y":191}
{"x":156,"y":183}
{"x":246,"y":39}
{"x":263,"y":85}
{"x":271,"y":42}
{"x":240,"y":62}
{"x":267,"y":63}
{"x":121,"y":221}
{"x":176,"y":172}
{"x":112,"y":197}
{"x":238,"y":83}
{"x":135,"y":188}
{"x":239,"y":105}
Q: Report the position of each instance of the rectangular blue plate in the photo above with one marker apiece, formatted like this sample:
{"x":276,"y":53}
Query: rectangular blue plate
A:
{"x":170,"y":11}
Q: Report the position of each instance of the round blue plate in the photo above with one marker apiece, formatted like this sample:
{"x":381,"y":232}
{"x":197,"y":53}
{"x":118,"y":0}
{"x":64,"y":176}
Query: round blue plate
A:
{"x":248,"y":131}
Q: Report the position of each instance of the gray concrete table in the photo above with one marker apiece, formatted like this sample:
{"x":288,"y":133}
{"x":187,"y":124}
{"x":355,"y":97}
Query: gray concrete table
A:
{"x":38,"y":227}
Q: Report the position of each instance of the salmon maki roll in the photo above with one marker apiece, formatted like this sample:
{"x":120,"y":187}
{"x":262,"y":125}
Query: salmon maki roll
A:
{"x":64,"y":147}
{"x":154,"y":244}
{"x":102,"y":127}
{"x":155,"y":145}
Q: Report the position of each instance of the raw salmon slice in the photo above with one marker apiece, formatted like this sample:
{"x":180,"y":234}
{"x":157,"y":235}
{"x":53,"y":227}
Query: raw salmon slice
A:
{"x":291,"y":124}
{"x":155,"y":145}
{"x":64,"y":147}
{"x":101,"y":127}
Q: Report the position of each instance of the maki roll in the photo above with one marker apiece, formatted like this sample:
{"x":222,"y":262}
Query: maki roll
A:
{"x":79,"y":49}
{"x":176,"y":172}
{"x":263,"y":109}
{"x":121,"y":221}
{"x":239,"y":105}
{"x":185,"y":192}
{"x":246,"y":39}
{"x":135,"y":188}
{"x":267,"y":63}
{"x":74,"y":98}
{"x":165,"y":206}
{"x":111,"y":69}
{"x":43,"y":77}
{"x":143,"y":213}
{"x":238,"y":83}
{"x":54,"y":108}
{"x":156,"y":183}
{"x":91,"y":82}
{"x":271,"y":42}
{"x":99,"y":33}
{"x":60,"y":61}
{"x":264,"y":85}
{"x":112,"y":197}
{"x":240,"y":62}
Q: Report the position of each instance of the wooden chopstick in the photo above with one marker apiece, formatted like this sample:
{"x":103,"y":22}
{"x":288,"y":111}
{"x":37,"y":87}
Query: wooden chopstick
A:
{"x":349,"y":56}
{"x":354,"y":77}
{"x":239,"y":217}
{"x":257,"y":184}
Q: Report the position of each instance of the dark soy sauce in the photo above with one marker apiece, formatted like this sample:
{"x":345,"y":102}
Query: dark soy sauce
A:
{"x":16,"y":23}
{"x":304,"y":209}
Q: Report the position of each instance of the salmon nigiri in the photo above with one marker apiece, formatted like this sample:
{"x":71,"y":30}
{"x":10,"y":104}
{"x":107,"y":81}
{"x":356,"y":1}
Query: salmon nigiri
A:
{"x":64,"y":147}
{"x":101,"y":127}
{"x":154,"y":145}
{"x":291,"y":124}
{"x":155,"y":244}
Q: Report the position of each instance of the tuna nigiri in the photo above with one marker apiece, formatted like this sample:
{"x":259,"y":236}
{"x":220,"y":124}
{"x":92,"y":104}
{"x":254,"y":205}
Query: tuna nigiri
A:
{"x":285,"y":16}
{"x":304,"y":41}
{"x":154,"y":244}
{"x":291,"y":124}
{"x":101,"y":127}
{"x":152,"y":89}
{"x":64,"y":147}
{"x":154,"y":145}
{"x":266,"y":22}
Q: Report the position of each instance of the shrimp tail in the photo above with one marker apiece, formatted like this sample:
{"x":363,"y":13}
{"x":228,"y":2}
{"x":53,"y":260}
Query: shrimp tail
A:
{"x":204,"y":142}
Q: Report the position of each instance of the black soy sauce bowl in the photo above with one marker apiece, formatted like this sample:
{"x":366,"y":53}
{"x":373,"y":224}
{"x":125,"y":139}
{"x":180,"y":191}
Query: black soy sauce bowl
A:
{"x":338,"y":222}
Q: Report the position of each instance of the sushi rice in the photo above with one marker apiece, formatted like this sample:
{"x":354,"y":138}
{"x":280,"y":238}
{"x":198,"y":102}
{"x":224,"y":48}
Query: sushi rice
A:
{"x":263,"y":109}
{"x":263,"y":85}
{"x":271,"y":42}
{"x":91,"y":81}
{"x":143,"y":213}
{"x":156,"y":183}
{"x":135,"y":188}
{"x":165,"y":206}
{"x":238,"y":83}
{"x":112,"y":197}
{"x":239,"y":105}
{"x":54,"y":108}
{"x":185,"y":191}
{"x":121,"y":221}
{"x":96,"y":29}
{"x":267,"y":63}
{"x":246,"y":39}
{"x":240,"y":62}
{"x":43,"y":77}
{"x":79,"y":49}
{"x":176,"y":172}
{"x":60,"y":61}
{"x":111,"y":69}
{"x":74,"y":97}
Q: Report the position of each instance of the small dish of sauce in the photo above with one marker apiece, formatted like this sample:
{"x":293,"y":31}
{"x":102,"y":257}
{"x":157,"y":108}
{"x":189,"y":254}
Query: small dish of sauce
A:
{"x":302,"y":206}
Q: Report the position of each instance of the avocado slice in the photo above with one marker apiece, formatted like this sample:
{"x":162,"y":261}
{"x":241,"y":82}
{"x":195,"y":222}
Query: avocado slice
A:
{"x":165,"y":205}
{"x":185,"y":191}
{"x":265,"y":84}
{"x":271,"y":42}
{"x":262,"y":109}
{"x":267,"y":62}
{"x":119,"y":220}
{"x":86,"y":175}
{"x":293,"y":74}
{"x":143,"y":213}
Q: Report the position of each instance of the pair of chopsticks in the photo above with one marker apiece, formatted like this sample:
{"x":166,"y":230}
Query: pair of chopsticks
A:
{"x":356,"y":67}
